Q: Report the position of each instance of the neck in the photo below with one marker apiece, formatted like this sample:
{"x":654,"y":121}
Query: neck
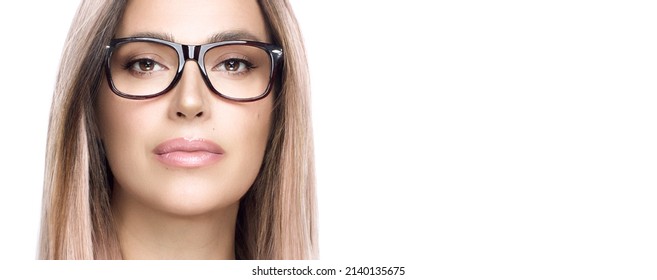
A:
{"x":145,"y":233}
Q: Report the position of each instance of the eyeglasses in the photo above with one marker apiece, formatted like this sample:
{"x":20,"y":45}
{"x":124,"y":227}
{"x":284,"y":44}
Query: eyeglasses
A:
{"x":141,"y":68}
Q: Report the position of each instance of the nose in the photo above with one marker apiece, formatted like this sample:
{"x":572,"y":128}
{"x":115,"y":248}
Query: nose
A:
{"x":191,"y":95}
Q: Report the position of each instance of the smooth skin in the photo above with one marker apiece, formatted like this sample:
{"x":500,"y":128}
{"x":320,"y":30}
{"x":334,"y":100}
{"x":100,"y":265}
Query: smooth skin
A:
{"x":165,"y":212}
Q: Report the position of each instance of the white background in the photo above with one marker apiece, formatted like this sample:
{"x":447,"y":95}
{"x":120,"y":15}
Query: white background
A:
{"x":468,"y":139}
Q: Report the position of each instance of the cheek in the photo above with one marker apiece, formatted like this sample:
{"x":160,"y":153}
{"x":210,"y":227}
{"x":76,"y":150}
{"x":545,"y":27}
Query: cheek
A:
{"x":245,"y":134}
{"x":250,"y":129}
{"x":125,"y":127}
{"x":112,"y":118}
{"x":123,"y":124}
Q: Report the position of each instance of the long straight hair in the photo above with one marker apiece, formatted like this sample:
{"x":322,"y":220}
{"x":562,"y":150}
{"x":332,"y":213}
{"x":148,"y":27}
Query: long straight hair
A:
{"x":277,"y":216}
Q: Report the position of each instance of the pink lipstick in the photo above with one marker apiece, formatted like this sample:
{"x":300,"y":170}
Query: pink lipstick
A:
{"x":188,"y":152}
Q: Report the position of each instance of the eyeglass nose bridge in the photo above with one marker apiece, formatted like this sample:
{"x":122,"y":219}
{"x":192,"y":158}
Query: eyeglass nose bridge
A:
{"x":191,"y":52}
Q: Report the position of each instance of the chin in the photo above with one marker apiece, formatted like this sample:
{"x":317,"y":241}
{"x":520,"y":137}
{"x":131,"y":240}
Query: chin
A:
{"x":197,"y":197}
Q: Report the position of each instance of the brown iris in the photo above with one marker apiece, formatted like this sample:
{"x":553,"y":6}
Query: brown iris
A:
{"x":146,"y":65}
{"x":232,"y":65}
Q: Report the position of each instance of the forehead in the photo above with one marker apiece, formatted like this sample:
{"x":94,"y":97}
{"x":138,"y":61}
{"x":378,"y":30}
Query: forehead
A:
{"x":192,"y":21}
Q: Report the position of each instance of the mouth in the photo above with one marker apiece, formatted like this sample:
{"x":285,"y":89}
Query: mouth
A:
{"x":188,"y":152}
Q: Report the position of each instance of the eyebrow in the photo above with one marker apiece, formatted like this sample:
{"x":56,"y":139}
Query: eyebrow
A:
{"x":231,"y":35}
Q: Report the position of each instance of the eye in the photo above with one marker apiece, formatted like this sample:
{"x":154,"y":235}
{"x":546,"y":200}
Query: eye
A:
{"x":234,"y":66}
{"x":144,"y":66}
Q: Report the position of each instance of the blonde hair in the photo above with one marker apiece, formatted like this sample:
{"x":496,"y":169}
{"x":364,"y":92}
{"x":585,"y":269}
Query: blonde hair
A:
{"x":277,"y":216}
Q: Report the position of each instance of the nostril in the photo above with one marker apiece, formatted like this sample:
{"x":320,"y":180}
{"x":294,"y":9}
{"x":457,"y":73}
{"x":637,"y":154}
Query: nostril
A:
{"x":182,"y":115}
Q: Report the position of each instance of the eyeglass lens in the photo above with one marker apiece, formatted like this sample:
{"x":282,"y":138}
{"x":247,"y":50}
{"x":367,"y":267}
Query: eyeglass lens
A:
{"x":146,"y":68}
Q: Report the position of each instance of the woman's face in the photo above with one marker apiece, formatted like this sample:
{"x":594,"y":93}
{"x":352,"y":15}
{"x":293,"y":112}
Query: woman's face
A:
{"x":189,"y":151}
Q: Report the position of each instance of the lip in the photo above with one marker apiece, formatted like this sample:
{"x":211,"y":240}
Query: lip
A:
{"x":188,"y":152}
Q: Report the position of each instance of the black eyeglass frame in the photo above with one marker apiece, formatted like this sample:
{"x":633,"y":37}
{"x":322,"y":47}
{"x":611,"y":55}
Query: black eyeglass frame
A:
{"x":196,"y":53}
